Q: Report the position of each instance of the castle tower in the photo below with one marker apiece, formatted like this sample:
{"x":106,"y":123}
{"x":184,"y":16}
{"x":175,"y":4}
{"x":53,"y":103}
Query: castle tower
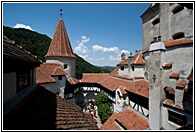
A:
{"x":60,"y":50}
{"x":156,"y":93}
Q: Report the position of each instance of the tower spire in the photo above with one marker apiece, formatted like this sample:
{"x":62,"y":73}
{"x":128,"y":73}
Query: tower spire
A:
{"x":61,"y":13}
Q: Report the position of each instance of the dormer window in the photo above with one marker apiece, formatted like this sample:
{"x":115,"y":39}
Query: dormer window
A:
{"x":178,"y":9}
{"x":65,"y":66}
{"x":156,"y":21}
{"x":60,"y":77}
{"x":122,"y":68}
{"x":178,"y":35}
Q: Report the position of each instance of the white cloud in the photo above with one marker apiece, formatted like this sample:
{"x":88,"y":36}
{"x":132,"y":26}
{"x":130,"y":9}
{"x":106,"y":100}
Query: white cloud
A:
{"x":125,"y":51}
{"x":23,"y":26}
{"x":100,"y":59}
{"x":81,"y":48}
{"x":84,"y":56}
{"x":118,"y":58}
{"x":104,"y":49}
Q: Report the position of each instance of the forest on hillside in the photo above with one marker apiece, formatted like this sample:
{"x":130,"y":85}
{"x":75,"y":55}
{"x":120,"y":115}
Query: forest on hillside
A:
{"x":38,"y":45}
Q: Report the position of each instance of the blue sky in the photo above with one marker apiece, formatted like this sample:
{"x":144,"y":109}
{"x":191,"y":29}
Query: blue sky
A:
{"x":98,"y":32}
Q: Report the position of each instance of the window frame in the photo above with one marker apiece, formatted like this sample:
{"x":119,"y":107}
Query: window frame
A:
{"x":23,"y":80}
{"x":177,"y":118}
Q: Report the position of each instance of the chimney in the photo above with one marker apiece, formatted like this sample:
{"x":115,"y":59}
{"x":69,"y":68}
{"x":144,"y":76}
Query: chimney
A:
{"x":130,"y":60}
{"x":159,"y":38}
{"x":123,"y":56}
{"x":155,"y":39}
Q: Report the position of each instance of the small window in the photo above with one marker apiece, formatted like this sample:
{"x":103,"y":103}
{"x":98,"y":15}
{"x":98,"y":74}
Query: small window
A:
{"x":156,"y":21}
{"x":177,"y":118}
{"x":133,"y":68}
{"x":23,"y":79}
{"x":65,"y":66}
{"x":178,"y":35}
{"x":178,"y":9}
{"x":122,"y":68}
{"x":60,"y":77}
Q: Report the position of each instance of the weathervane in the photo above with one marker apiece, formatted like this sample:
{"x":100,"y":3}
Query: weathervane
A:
{"x":61,"y":13}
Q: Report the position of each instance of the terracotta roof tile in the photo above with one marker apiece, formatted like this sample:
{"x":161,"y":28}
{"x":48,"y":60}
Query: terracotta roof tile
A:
{"x":181,"y":84}
{"x":178,"y":42}
{"x":16,"y":52}
{"x":138,"y":59}
{"x":111,"y":83}
{"x":114,"y":72}
{"x":44,"y":110}
{"x":174,"y":75}
{"x":44,"y":72}
{"x":122,"y":90}
{"x":93,"y":77}
{"x":123,"y":77}
{"x":58,"y":71}
{"x":73,"y":80}
{"x":168,"y":65}
{"x":122,"y":63}
{"x":110,"y":123}
{"x":170,"y":103}
{"x":139,"y":77}
{"x":60,"y":44}
{"x":140,"y":87}
{"x":128,"y":118}
{"x":170,"y":90}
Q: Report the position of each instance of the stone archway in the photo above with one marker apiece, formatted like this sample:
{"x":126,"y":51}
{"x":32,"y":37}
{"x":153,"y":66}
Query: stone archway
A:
{"x":90,"y":98}
{"x":80,"y":100}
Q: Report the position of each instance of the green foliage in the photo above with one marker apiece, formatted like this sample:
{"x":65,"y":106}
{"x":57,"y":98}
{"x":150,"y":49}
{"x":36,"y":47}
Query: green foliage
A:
{"x":38,"y":45}
{"x":101,"y":98}
{"x":103,"y":104}
{"x":31,"y":41}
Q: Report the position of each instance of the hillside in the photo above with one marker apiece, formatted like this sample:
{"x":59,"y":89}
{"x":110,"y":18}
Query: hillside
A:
{"x":38,"y":44}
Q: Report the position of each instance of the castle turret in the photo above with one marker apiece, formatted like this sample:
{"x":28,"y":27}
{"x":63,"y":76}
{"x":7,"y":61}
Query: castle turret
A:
{"x":60,"y":50}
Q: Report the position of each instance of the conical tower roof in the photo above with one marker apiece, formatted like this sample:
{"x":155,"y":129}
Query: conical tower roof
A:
{"x":60,"y":45}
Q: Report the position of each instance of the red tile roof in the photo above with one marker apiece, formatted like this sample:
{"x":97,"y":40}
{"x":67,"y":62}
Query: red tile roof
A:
{"x":60,"y":44}
{"x":122,"y":63}
{"x":140,"y":87}
{"x":139,"y":77}
{"x":59,"y":71}
{"x":93,"y":77}
{"x":128,"y":118}
{"x":111,"y":83}
{"x":73,"y":80}
{"x":123,"y":77}
{"x":44,"y":110}
{"x":122,"y":90}
{"x":44,"y":72}
{"x":170,"y":90}
{"x":170,"y":102}
{"x":114,"y":72}
{"x":138,"y":59}
{"x":178,"y":42}
{"x":110,"y":123}
{"x":168,"y":65}
{"x":16,"y":52}
{"x":181,"y":84}
{"x":172,"y":43}
{"x":174,"y":75}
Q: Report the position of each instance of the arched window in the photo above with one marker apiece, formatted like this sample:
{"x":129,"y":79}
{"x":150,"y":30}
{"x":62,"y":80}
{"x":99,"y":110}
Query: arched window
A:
{"x":156,"y":21}
{"x":178,"y":9}
{"x":178,"y":35}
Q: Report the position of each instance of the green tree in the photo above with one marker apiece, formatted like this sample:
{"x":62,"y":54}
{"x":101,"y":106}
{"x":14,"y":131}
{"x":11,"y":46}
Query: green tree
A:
{"x":103,"y":104}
